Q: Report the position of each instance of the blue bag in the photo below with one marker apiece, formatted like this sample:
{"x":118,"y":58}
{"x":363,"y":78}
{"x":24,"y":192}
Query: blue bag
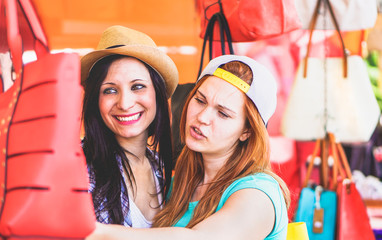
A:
{"x":318,"y":209}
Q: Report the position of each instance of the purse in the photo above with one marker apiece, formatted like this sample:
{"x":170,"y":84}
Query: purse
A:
{"x":353,"y":222}
{"x":251,"y":20}
{"x":331,"y":95}
{"x":317,"y":205}
{"x":43,"y":170}
{"x":351,"y":14}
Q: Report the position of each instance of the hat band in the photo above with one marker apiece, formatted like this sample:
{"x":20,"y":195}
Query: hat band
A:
{"x":232,"y":79}
{"x":115,"y":46}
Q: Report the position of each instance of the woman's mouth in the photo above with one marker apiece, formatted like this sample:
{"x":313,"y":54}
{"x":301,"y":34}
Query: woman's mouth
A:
{"x":128,"y":119}
{"x":196,"y":133}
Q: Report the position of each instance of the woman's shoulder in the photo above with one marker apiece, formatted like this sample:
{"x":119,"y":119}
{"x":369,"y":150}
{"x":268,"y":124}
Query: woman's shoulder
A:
{"x":254,"y":181}
{"x":269,"y":185}
{"x":260,"y":181}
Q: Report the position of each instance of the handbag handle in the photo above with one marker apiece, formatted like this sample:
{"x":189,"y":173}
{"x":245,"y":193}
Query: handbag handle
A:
{"x":13,"y":36}
{"x":311,"y":27}
{"x":321,"y":146}
{"x":340,"y":165}
{"x":342,"y":161}
{"x":13,"y":32}
{"x":41,"y":41}
{"x":311,"y":162}
{"x":225,"y":33}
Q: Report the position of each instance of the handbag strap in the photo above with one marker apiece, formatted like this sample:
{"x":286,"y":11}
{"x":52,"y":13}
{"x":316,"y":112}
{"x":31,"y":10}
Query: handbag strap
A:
{"x":324,"y":173}
{"x":13,"y":32}
{"x":325,"y":147}
{"x":311,"y":27}
{"x":14,"y":36}
{"x":320,"y":148}
{"x":311,"y":162}
{"x":340,"y":165}
{"x":41,"y":41}
{"x":225,"y":34}
{"x":344,"y":162}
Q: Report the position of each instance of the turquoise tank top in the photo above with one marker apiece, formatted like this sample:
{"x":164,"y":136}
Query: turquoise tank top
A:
{"x":262,"y":182}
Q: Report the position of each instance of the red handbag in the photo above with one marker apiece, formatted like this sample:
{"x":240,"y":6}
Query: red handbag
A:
{"x":353,"y":222}
{"x":251,"y":20}
{"x":43,"y":172}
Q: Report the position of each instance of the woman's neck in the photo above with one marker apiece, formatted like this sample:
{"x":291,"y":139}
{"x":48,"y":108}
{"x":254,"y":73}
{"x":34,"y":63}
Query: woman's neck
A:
{"x":211,"y":167}
{"x":214,"y":162}
{"x":135,"y":148}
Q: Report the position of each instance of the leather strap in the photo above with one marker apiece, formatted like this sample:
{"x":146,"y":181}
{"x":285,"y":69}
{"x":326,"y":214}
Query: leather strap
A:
{"x":13,"y":31}
{"x":324,"y":177}
{"x":311,"y":163}
{"x":13,"y":36}
{"x":225,"y":35}
{"x":311,"y":27}
{"x":340,"y":170}
{"x":41,"y":41}
{"x":344,"y":162}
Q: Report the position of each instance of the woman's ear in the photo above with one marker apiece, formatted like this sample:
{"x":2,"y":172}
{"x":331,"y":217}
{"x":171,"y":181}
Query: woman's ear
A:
{"x":245,"y":135}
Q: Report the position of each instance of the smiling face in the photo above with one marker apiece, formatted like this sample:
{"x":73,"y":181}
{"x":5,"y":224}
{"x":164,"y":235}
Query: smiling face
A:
{"x":127,"y":99}
{"x":215,"y":120}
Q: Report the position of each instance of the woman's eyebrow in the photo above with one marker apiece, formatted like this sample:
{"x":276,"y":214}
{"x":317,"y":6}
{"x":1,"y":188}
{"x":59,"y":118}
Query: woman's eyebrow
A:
{"x":227,"y":109}
{"x":108,"y":83}
{"x":219,"y":105}
{"x":198,"y":91}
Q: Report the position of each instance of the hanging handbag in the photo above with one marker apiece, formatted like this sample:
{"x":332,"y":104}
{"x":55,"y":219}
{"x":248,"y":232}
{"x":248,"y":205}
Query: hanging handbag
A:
{"x":251,"y":20}
{"x":317,"y":205}
{"x":331,"y":95}
{"x":353,"y":222}
{"x":43,"y":171}
{"x":351,"y":15}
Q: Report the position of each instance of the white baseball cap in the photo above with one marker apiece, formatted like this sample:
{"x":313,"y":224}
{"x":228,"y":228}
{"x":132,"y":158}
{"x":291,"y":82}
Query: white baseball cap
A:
{"x":263,"y":89}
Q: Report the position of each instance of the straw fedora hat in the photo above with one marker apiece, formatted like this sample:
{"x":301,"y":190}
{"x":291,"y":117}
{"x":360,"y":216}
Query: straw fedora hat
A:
{"x":125,"y":41}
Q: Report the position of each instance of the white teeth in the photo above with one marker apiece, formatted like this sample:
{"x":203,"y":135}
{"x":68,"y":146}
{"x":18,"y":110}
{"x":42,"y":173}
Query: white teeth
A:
{"x":127,"y":119}
{"x":197,"y":131}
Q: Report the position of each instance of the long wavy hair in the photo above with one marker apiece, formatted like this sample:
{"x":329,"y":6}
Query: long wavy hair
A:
{"x":250,"y":156}
{"x":101,"y":147}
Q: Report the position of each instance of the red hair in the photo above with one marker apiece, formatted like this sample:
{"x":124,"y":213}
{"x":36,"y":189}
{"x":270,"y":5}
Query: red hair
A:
{"x":250,"y":156}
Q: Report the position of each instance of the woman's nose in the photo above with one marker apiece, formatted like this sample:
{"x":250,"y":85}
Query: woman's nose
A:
{"x":125,"y":101}
{"x":205,"y":116}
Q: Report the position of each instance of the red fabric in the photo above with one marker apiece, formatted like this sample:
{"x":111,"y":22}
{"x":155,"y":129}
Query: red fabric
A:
{"x":352,"y":219}
{"x":45,"y":166}
{"x":251,"y":20}
{"x":43,"y":169}
{"x":285,"y":164}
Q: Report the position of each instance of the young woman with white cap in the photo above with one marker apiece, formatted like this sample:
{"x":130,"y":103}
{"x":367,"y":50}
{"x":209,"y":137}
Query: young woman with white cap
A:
{"x":127,"y":144}
{"x":223,"y":186}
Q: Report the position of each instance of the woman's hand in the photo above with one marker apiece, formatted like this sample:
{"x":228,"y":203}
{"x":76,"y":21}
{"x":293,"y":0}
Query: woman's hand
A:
{"x":99,"y":233}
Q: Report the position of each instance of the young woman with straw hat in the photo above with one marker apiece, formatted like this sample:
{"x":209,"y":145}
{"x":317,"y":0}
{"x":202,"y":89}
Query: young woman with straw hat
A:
{"x":223,"y":186}
{"x":127,"y":144}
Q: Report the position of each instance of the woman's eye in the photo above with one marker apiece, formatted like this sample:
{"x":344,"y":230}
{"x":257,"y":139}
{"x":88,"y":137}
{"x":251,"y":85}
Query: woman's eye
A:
{"x":137,"y":87}
{"x":199,"y":100}
{"x":109,"y":91}
{"x":223,"y":114}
